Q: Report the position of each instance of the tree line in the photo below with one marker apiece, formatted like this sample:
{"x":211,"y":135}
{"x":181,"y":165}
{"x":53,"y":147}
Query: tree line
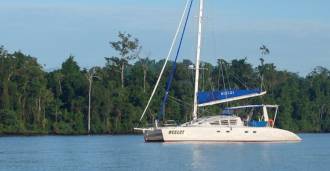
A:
{"x":33,"y":101}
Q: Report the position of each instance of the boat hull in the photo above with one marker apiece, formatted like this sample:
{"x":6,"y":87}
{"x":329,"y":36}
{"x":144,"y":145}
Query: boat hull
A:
{"x":219,"y":134}
{"x":153,"y":135}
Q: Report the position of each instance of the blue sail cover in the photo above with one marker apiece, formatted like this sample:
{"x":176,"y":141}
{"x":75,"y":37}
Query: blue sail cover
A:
{"x":161,"y":114}
{"x":216,"y":97}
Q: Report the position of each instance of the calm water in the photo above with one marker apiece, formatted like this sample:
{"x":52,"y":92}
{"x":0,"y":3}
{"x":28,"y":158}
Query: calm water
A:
{"x":90,"y":153}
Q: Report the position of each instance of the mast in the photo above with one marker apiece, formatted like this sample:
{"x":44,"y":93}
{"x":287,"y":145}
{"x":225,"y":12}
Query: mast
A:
{"x":198,"y":54}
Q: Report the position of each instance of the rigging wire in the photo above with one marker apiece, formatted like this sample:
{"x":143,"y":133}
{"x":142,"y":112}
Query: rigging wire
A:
{"x":214,"y":43}
{"x":210,"y":80}
{"x":167,"y":58}
{"x":240,"y":81}
{"x":223,"y":79}
{"x":222,"y":74}
{"x":183,"y":103}
{"x":170,"y":79}
{"x":226,"y":69}
{"x":223,"y":70}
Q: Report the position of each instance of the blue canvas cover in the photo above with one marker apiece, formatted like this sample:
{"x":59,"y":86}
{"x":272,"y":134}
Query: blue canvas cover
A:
{"x":254,"y":123}
{"x":210,"y":96}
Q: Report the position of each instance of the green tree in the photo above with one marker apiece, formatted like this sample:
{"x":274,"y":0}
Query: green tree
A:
{"x":127,"y":47}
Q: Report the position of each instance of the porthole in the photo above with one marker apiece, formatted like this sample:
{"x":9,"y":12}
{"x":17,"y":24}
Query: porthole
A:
{"x":246,"y":131}
{"x":218,"y":131}
{"x":254,"y":132}
{"x":227,"y":131}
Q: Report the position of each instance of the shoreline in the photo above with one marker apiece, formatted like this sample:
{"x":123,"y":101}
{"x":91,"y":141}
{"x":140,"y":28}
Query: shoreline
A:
{"x":122,"y":134}
{"x":54,"y":134}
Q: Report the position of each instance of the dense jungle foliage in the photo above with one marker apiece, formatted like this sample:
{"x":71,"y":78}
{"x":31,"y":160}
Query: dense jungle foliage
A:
{"x":33,"y":101}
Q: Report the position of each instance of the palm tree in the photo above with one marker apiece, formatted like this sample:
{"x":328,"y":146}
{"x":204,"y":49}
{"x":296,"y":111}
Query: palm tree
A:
{"x":264,"y":50}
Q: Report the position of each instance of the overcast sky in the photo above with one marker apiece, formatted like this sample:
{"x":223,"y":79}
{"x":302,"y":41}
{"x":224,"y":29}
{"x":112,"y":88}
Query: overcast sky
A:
{"x":297,"y":32}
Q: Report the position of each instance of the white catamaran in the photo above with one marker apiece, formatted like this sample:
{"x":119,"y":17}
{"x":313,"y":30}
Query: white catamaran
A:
{"x":227,"y":127}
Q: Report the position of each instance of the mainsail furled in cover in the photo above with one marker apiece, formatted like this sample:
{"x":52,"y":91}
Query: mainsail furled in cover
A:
{"x":216,"y":97}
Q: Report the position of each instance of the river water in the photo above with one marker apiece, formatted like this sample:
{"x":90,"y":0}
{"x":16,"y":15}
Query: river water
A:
{"x":57,"y":153}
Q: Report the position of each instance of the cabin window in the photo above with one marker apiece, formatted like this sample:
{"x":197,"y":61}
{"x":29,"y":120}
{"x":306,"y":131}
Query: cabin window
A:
{"x":215,"y":123}
{"x":246,"y":131}
{"x":233,"y":122}
{"x":218,"y":131}
{"x":254,"y":132}
{"x":224,"y":122}
{"x":227,"y":131}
